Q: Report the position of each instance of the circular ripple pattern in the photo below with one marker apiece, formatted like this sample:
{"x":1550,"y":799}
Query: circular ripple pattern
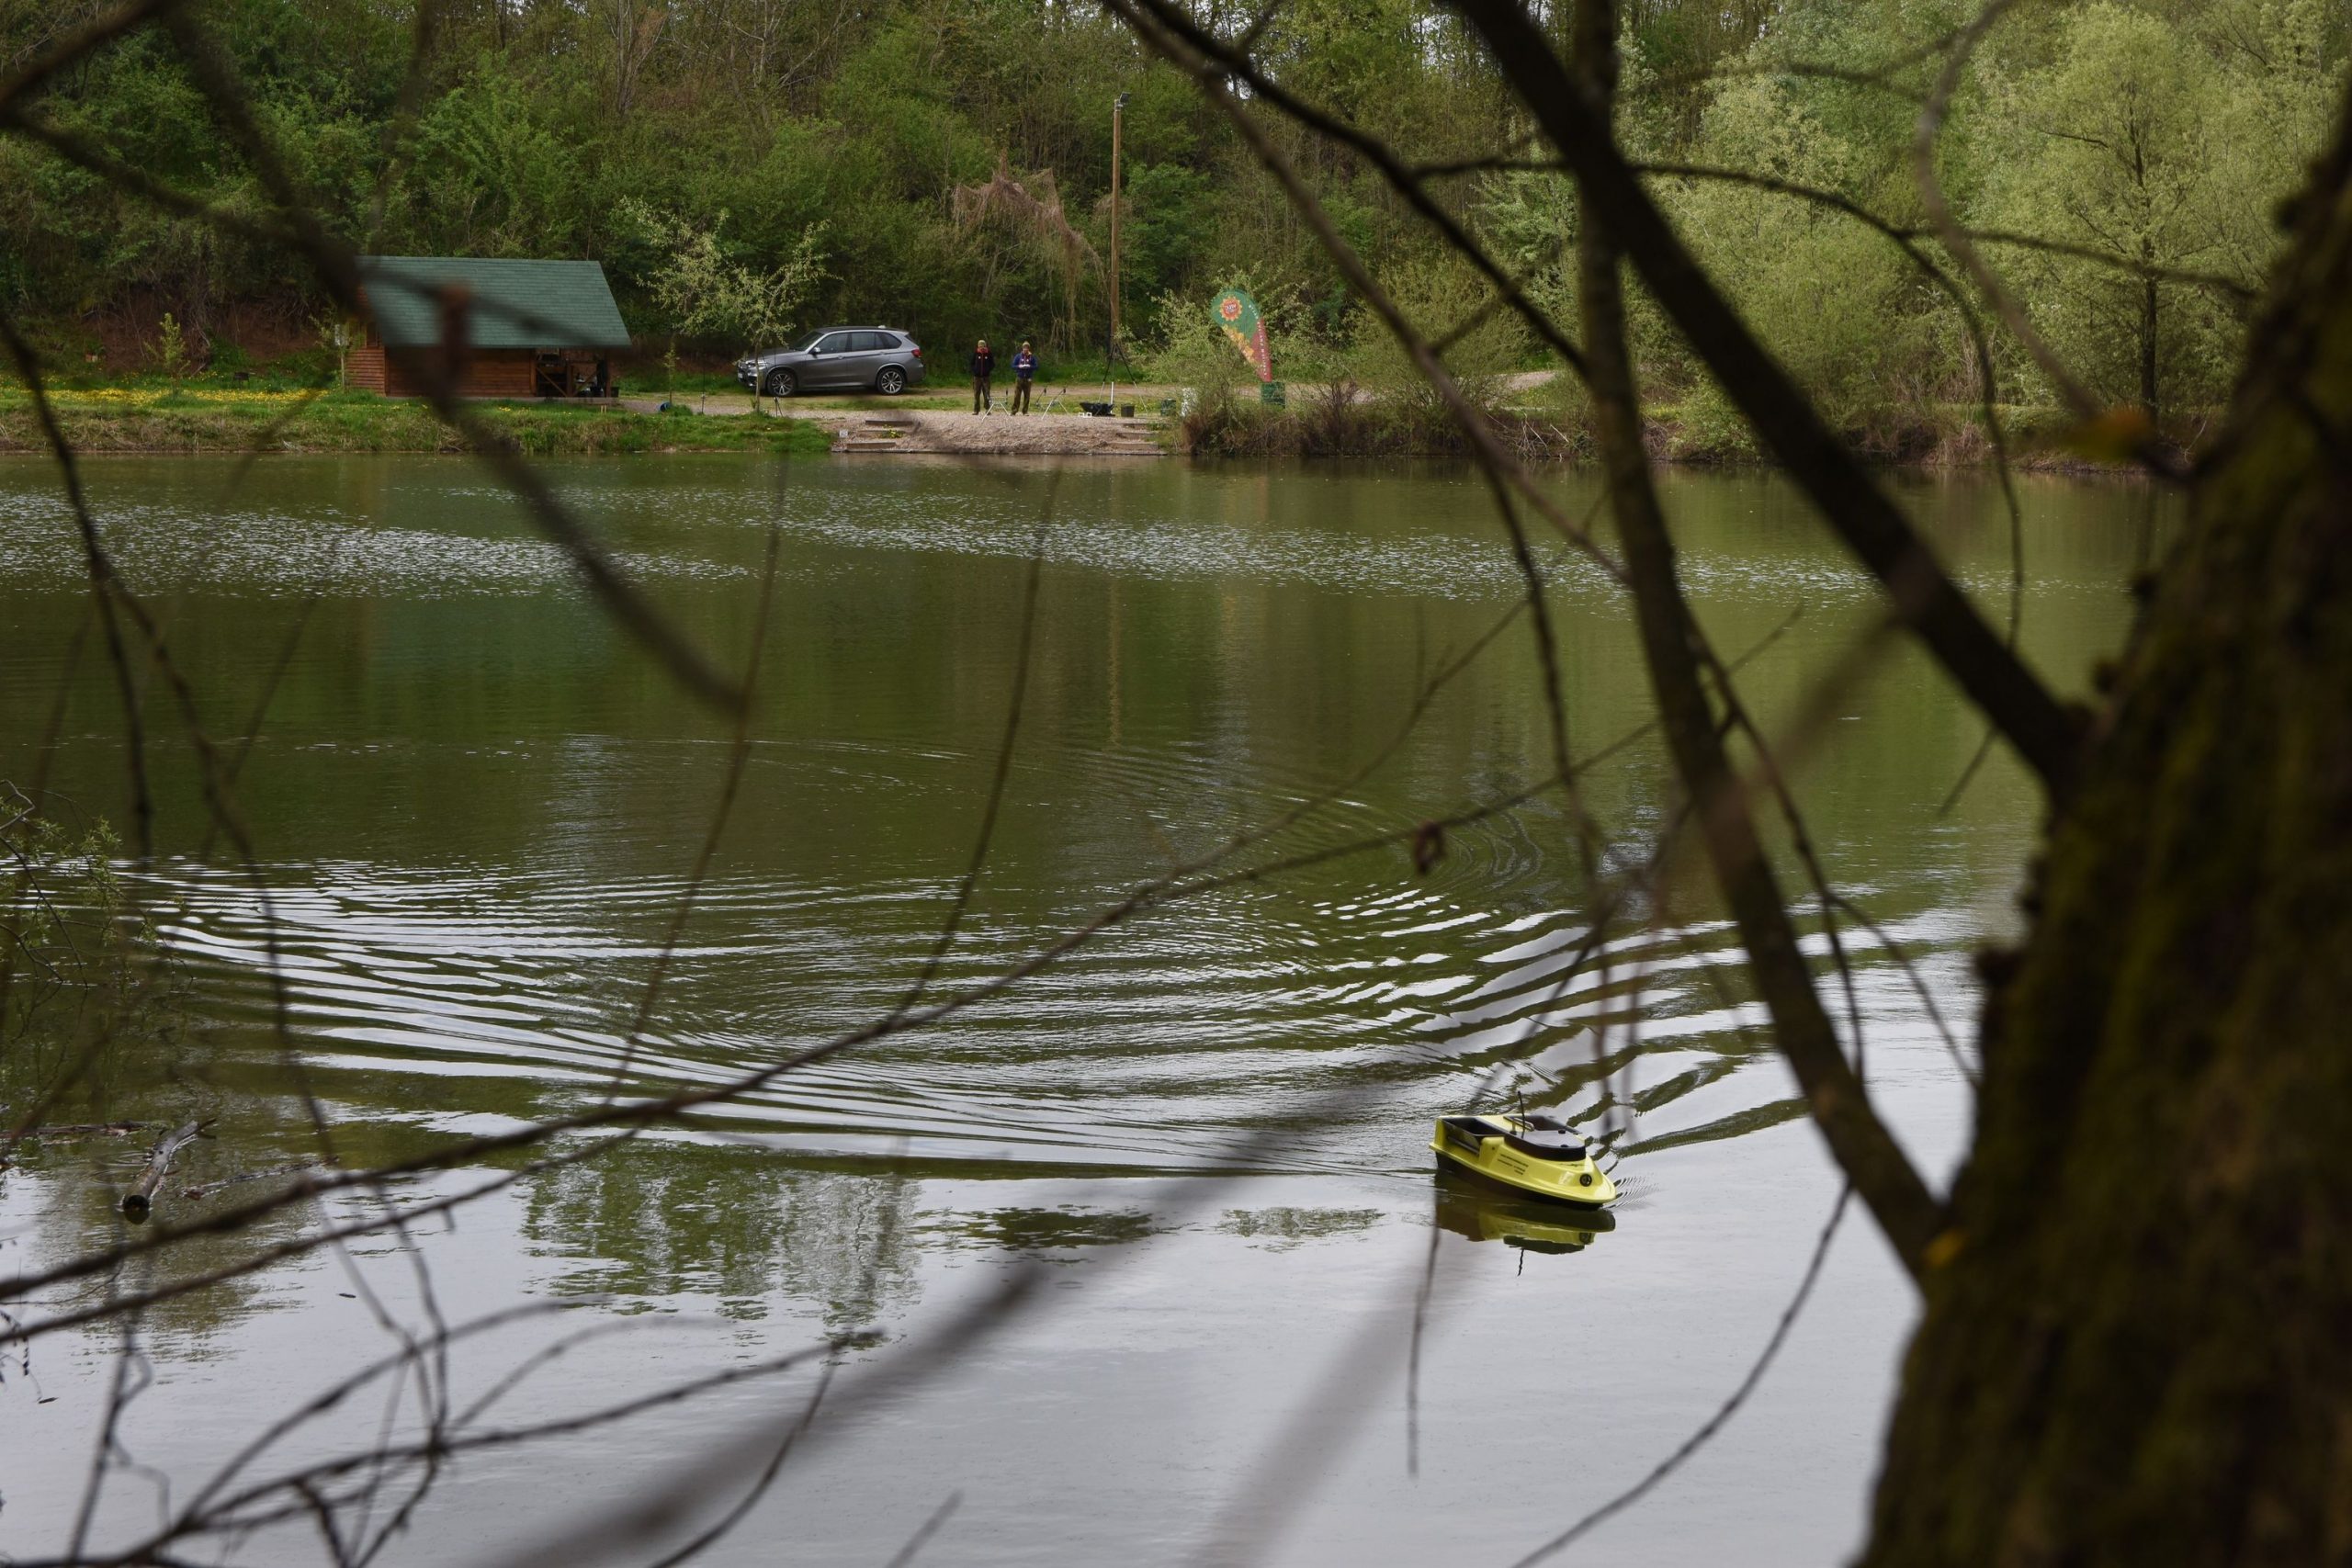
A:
{"x":1249,"y":1029}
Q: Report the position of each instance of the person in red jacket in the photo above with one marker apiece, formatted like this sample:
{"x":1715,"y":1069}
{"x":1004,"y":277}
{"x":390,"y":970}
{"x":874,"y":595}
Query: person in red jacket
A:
{"x":983,"y":374}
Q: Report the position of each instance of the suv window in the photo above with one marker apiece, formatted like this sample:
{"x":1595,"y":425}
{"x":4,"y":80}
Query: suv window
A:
{"x":871,"y":340}
{"x":835,"y":342}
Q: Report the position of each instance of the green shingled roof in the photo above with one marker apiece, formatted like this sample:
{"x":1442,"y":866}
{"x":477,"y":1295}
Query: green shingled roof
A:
{"x":515,"y":304}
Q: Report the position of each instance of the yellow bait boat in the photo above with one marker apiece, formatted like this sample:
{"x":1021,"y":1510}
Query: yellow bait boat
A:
{"x":1534,"y":1156}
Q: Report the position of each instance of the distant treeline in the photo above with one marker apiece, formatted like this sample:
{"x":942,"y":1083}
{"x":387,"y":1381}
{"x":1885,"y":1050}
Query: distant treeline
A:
{"x":2157,"y":136}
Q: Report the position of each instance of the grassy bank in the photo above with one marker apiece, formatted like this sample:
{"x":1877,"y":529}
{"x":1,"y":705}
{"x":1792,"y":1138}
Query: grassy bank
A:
{"x":1336,"y":420}
{"x":215,"y":420}
{"x":1346,"y":422}
{"x":1543,"y":419}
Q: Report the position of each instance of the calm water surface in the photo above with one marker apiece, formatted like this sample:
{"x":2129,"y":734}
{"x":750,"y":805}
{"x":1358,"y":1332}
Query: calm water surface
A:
{"x":478,"y":804}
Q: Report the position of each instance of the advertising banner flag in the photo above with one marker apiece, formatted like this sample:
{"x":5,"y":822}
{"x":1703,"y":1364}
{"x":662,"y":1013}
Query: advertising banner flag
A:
{"x":1236,"y":313}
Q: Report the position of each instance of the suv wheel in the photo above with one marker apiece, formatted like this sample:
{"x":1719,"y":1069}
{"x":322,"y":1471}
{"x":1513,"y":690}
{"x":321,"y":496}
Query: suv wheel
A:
{"x":891,"y":382}
{"x":782,"y":383}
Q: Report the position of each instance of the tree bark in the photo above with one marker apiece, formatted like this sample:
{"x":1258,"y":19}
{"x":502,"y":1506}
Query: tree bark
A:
{"x":2141,"y":1351}
{"x":140,"y":1200}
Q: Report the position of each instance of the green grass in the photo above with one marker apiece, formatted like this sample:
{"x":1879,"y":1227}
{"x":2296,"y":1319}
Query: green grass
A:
{"x":202,"y":415}
{"x":200,"y":419}
{"x":295,"y":373}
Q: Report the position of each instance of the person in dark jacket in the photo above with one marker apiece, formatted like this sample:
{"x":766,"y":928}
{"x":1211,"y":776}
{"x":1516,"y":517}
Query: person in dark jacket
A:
{"x":1024,"y":368}
{"x":983,"y":374}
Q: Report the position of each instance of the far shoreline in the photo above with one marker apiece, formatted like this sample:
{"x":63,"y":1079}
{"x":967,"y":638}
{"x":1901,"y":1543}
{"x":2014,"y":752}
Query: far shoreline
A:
{"x":213,"y":422}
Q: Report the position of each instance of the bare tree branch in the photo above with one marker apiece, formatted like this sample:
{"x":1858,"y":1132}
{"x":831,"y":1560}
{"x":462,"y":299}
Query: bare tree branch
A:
{"x":2042,"y":732}
{"x":1905,"y":1211}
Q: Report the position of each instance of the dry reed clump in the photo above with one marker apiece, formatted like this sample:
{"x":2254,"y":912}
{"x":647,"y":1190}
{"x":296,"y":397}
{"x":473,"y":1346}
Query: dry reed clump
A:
{"x":1034,"y":207}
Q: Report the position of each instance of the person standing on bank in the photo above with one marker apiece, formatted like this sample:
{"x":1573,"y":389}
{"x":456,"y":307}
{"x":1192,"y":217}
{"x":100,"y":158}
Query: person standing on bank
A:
{"x":983,"y":374}
{"x":1024,"y":368}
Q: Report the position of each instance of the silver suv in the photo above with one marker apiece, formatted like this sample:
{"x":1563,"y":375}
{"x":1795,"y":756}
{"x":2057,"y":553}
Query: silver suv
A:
{"x":837,"y":359}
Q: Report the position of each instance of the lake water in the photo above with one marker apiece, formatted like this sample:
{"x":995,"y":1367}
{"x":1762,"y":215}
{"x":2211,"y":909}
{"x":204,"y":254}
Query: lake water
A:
{"x":1200,"y":1139}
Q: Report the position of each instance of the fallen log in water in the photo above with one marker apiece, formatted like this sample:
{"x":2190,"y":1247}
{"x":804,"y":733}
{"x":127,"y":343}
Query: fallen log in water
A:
{"x":141,"y":1199}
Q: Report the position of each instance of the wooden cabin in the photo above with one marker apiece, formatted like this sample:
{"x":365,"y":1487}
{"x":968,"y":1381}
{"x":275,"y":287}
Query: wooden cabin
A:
{"x":532,"y":328}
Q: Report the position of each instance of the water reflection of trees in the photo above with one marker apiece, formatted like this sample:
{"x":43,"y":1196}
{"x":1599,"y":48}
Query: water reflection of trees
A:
{"x":670,"y":1218}
{"x":70,"y":1188}
{"x":1055,"y":1234}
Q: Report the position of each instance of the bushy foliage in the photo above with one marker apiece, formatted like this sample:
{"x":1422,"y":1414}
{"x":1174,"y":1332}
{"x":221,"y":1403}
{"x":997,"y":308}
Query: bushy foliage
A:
{"x":1441,"y":297}
{"x":692,"y":276}
{"x":80,"y":971}
{"x":553,"y":130}
{"x":1191,"y":350}
{"x":2143,"y":141}
{"x":1832,"y":297}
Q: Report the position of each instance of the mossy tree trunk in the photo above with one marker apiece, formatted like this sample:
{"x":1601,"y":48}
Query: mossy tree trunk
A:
{"x":2140,"y":1352}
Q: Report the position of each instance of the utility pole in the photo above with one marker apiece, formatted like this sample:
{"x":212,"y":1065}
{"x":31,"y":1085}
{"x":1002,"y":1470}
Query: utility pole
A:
{"x":1118,"y":114}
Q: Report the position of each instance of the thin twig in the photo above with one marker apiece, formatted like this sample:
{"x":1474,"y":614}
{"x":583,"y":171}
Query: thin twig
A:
{"x":1724,"y":1413}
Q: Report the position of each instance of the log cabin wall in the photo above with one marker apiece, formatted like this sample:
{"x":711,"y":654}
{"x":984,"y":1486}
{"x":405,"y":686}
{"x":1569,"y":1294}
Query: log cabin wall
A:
{"x":488,"y":373}
{"x":406,"y":372}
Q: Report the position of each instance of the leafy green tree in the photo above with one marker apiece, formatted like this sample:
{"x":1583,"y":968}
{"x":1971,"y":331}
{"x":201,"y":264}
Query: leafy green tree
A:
{"x":1171,"y":215}
{"x":489,"y":175}
{"x":707,"y":291}
{"x":1439,"y":296}
{"x":169,"y":351}
{"x":786,"y":113}
{"x":2137,"y":142}
{"x":335,"y":335}
{"x":1842,"y":308}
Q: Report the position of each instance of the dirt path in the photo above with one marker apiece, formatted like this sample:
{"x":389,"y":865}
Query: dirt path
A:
{"x":903,"y":424}
{"x":1060,"y":398}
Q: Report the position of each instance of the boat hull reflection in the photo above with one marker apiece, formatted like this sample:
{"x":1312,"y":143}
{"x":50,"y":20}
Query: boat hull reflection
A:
{"x":1471,"y":1208}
